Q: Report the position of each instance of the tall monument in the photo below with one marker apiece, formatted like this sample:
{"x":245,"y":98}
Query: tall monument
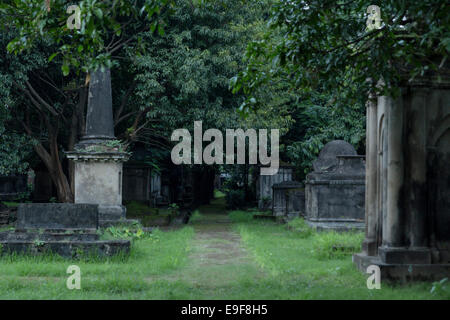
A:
{"x":98,"y":158}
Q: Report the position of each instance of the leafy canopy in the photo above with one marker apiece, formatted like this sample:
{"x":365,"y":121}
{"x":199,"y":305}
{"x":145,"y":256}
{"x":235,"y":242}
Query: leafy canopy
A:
{"x":106,"y":26}
{"x":323,"y":44}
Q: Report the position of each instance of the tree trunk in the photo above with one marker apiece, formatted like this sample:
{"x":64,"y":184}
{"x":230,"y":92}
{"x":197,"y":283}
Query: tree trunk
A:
{"x":54,"y":166}
{"x":60,"y":180}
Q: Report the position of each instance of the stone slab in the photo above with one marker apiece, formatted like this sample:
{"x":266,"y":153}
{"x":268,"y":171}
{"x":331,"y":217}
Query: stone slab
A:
{"x":336,"y":225}
{"x":49,"y":235}
{"x":57,"y":216}
{"x":68,"y":249}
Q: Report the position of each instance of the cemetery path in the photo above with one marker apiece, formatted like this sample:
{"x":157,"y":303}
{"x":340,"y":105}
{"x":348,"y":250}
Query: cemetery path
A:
{"x":217,"y":257}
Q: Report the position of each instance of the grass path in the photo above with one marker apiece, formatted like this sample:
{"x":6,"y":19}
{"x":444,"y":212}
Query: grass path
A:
{"x":217,"y":258}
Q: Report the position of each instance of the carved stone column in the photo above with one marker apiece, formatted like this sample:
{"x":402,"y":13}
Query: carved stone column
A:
{"x":392,"y":228}
{"x":369,"y":245}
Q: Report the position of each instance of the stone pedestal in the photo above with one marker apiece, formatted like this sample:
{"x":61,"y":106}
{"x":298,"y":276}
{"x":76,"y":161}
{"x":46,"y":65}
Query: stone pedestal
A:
{"x":98,"y":180}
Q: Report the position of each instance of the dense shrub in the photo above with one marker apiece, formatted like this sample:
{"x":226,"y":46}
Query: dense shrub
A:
{"x":235,"y":199}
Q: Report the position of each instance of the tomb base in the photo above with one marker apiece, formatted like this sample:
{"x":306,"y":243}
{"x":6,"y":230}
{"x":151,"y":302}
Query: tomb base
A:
{"x":98,"y":180}
{"x":403,"y":272}
{"x":66,"y":229}
{"x":335,"y":225}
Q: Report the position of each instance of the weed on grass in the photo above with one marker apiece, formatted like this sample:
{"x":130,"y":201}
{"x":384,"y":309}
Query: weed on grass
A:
{"x":299,"y":226}
{"x":336,"y":245}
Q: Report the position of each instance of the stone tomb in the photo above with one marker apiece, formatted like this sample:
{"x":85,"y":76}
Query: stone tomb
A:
{"x":288,"y":199}
{"x":61,"y":228}
{"x":335,"y":190}
{"x":264,"y":184}
{"x":408,"y":182}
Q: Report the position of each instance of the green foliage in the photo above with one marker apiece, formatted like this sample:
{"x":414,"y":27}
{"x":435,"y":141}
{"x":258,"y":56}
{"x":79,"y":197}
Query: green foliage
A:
{"x":195,"y":217}
{"x":322,"y":45}
{"x":104,"y":26}
{"x":317,"y":123}
{"x":192,"y":64}
{"x":116,"y":145}
{"x":336,"y":245}
{"x":299,"y":226}
{"x":441,"y":288}
{"x":235,"y":199}
{"x":174,"y":209}
{"x":12,"y":158}
{"x":126,"y":233}
{"x":38,"y":243}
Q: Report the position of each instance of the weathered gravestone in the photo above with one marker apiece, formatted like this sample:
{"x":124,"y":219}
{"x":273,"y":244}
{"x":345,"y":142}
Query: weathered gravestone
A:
{"x":264,"y":184}
{"x":288,"y":199}
{"x":65,"y":229}
{"x":12,"y":186}
{"x":335,"y":190}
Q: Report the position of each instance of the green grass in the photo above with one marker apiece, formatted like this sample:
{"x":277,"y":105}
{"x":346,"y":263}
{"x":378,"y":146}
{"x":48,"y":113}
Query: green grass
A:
{"x":299,"y":226}
{"x":241,"y":216}
{"x":249,"y":259}
{"x":44,"y":277}
{"x":195,"y":217}
{"x":11,"y":204}
{"x":218,"y":194}
{"x":336,"y":245}
{"x":292,"y":260}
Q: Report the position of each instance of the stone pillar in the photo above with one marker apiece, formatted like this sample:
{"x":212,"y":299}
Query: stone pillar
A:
{"x":392,"y":228}
{"x":369,"y":245}
{"x":99,"y":117}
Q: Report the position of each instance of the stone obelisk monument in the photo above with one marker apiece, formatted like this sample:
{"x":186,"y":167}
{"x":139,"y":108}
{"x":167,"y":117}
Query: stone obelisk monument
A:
{"x":98,"y":158}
